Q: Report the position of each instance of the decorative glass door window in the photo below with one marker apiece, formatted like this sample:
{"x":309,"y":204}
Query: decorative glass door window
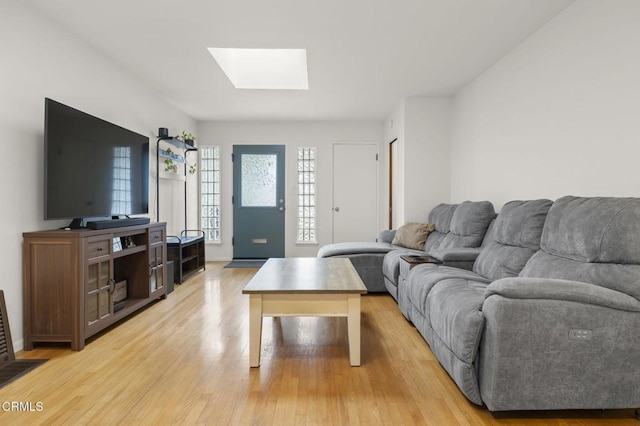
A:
{"x":259,"y":180}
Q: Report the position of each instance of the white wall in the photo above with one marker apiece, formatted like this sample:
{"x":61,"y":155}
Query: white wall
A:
{"x":321,"y":135}
{"x":40,"y":59}
{"x":559,"y":115}
{"x":421,"y":126}
{"x":427,"y":155}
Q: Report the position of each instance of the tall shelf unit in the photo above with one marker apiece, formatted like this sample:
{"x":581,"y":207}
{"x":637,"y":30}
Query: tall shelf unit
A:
{"x":187,"y":249}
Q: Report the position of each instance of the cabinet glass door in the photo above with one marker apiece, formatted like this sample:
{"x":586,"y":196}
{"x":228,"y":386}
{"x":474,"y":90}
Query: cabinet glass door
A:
{"x":156,"y":279}
{"x":98,"y":301}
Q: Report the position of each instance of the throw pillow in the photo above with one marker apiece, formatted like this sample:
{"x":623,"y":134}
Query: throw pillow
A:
{"x":413,"y":235}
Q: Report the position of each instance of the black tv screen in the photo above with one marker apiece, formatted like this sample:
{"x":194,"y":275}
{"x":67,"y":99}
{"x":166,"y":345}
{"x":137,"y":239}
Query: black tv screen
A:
{"x":93,"y":168}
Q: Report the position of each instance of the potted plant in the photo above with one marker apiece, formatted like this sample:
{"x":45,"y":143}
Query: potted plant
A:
{"x":188,"y":138}
{"x":169,"y":165}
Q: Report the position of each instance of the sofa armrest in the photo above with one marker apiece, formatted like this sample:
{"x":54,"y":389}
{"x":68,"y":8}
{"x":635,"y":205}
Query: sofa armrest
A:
{"x":462,"y":254}
{"x":552,"y":344}
{"x":386,"y":235}
{"x":555,"y":289}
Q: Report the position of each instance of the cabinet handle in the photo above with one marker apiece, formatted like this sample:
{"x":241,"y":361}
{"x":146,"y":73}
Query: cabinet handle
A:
{"x":100,"y":249}
{"x":112,"y":285}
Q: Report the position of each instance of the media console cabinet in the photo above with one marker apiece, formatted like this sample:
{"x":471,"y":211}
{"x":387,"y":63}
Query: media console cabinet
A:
{"x":70,"y":276}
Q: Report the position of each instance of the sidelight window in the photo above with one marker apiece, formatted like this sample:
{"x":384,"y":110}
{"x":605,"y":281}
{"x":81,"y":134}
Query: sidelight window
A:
{"x":210,"y":192}
{"x":306,"y":195}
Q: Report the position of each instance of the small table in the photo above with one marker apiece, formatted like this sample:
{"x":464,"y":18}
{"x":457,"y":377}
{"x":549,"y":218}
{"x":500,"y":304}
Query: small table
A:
{"x":319,"y":287}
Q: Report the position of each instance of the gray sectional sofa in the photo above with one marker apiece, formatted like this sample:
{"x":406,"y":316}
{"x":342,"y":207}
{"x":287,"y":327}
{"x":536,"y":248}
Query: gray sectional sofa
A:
{"x":457,"y":226}
{"x":548,"y":317}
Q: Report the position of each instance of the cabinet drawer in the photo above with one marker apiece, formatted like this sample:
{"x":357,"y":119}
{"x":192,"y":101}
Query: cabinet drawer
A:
{"x":98,"y":248}
{"x":156,"y":235}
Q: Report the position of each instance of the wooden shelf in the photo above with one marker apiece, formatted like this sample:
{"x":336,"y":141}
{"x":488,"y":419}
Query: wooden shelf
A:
{"x":129,"y":251}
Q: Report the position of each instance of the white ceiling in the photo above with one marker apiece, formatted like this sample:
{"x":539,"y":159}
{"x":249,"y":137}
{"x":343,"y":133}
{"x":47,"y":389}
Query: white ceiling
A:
{"x":363,"y":56}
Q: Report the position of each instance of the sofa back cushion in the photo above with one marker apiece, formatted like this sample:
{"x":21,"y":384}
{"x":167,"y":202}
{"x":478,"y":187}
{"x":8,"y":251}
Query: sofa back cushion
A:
{"x":469,"y":224}
{"x":440,"y":216}
{"x":516,"y":237}
{"x":594,"y":240}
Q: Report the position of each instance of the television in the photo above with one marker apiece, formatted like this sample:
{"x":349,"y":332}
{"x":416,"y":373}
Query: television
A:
{"x":93,"y":168}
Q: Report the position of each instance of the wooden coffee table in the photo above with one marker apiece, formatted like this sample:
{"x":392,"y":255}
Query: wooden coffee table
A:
{"x":318,"y":287}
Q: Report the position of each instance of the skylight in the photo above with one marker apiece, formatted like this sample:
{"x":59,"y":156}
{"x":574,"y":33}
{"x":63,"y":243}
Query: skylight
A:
{"x":264,"y":68}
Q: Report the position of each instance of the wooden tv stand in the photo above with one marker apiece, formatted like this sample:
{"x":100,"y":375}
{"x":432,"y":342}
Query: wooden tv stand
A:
{"x":69,"y":279}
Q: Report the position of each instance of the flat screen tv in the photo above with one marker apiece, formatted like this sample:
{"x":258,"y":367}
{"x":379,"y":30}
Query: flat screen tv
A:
{"x":93,"y":168}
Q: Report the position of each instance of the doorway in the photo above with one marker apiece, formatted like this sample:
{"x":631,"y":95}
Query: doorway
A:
{"x":393,"y":180}
{"x":258,"y":201}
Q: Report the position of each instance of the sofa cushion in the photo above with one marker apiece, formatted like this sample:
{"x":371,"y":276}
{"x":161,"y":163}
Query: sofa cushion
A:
{"x":599,"y":229}
{"x":424,"y":277}
{"x":516,"y":237}
{"x":345,"y":249}
{"x":456,"y":320}
{"x":469,"y":225}
{"x":440,"y":216}
{"x":622,"y":278}
{"x":593,"y":240}
{"x":413,"y":235}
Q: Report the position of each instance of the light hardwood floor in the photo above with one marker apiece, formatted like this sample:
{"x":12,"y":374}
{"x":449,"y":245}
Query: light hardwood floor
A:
{"x":185,"y":360}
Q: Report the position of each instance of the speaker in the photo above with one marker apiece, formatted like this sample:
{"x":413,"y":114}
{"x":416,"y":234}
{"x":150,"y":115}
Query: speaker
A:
{"x":163,"y":132}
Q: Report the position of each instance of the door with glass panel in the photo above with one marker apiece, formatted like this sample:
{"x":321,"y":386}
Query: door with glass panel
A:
{"x":258,"y":201}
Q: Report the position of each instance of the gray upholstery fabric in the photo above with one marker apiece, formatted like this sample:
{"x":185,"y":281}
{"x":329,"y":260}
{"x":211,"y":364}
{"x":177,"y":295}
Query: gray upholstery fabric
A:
{"x":441,"y":216}
{"x":516,"y":237}
{"x":554,"y":289}
{"x":594,"y":240}
{"x":623,"y":278}
{"x":585,"y":278}
{"x":527,"y":361}
{"x":421,"y":281}
{"x":386,"y":235}
{"x":469,"y":220}
{"x":454,"y":313}
{"x":342,"y":249}
{"x":366,"y":258}
{"x":599,"y":229}
{"x":462,"y":254}
{"x":469,"y":224}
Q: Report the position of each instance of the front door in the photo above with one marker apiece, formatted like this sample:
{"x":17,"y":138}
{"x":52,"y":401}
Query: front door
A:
{"x":258,"y":201}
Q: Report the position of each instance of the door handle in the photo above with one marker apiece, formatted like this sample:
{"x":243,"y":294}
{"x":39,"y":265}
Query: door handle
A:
{"x":281,"y":209}
{"x":336,"y":209}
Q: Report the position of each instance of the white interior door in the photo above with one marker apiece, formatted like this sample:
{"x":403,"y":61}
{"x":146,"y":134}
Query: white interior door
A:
{"x":355,"y":192}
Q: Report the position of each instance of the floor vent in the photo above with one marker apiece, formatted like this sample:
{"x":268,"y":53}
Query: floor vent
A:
{"x":10,"y":367}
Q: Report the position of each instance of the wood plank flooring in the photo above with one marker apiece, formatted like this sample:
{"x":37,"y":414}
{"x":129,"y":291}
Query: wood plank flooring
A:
{"x":185,"y":360}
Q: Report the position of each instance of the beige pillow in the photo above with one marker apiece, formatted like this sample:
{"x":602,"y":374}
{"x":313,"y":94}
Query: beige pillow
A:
{"x":413,"y":235}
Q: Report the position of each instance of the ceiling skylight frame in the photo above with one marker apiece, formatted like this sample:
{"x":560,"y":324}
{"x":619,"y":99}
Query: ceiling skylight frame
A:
{"x":264,"y":69}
